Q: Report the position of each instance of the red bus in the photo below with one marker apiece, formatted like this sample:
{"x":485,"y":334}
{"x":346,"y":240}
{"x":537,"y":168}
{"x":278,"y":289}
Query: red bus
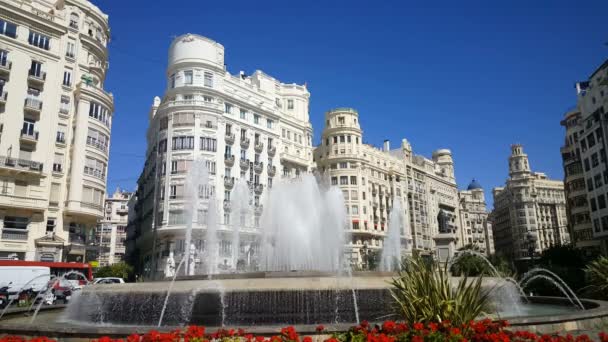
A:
{"x":58,"y":268}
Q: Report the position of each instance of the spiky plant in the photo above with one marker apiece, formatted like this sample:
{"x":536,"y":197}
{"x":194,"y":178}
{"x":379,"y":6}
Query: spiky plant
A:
{"x":597,"y":277}
{"x":423,"y":292}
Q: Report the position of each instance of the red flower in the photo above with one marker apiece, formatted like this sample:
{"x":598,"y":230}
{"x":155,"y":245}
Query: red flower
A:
{"x":418,"y":326}
{"x":455,"y":331}
{"x":133,"y":338}
{"x":332,"y":339}
{"x":417,"y":339}
{"x":433,"y":326}
{"x":388,"y":326}
{"x":307,"y":339}
{"x":320,"y":327}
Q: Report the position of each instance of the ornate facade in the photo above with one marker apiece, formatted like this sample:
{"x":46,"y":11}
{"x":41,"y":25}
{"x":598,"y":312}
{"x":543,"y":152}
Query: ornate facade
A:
{"x":55,"y":130}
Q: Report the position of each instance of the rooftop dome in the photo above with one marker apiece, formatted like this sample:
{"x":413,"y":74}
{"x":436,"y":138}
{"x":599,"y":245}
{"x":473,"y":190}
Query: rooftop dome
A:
{"x":474,"y":185}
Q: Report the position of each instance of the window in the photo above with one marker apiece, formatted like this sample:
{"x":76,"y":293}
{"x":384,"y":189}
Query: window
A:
{"x":206,"y":191}
{"x":595,"y":161}
{"x":208,"y":144}
{"x":16,"y":222}
{"x":70,"y":50}
{"x":98,"y":140}
{"x":344,"y":165}
{"x":596,"y":225}
{"x":177,"y":217}
{"x":256,"y":119}
{"x":354,"y":195}
{"x":162,"y":146}
{"x":55,"y":194}
{"x":20,"y":188}
{"x":355,"y":210}
{"x":172,"y":80}
{"x":334,"y":180}
{"x":58,"y":163}
{"x":50,"y":225}
{"x":28,"y":127}
{"x":343,"y":180}
{"x":208,"y":79}
{"x":67,"y":78}
{"x":8,"y":29}
{"x":591,"y":140}
{"x":289,"y":104}
{"x":99,"y":113}
{"x":269,"y":123}
{"x":593,"y":205}
{"x":598,"y":180}
{"x":353,"y":180}
{"x":182,"y":143}
{"x":341,"y":120}
{"x":92,"y":196}
{"x":341,"y":138}
{"x":605,"y":223}
{"x":188,"y":77}
{"x":243,"y":114}
{"x":36,"y":70}
{"x":64,"y":106}
{"x":601,"y":201}
{"x":39,"y":40}
{"x":95,"y":168}
{"x":587,"y":165}
{"x":176,"y":191}
{"x":227,"y":108}
{"x":210,"y":166}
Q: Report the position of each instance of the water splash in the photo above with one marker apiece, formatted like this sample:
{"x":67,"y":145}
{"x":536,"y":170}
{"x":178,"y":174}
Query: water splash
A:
{"x":554,"y":283}
{"x":197,"y":178}
{"x":391,"y":248}
{"x":23,"y":288}
{"x":162,"y":312}
{"x":554,"y":278}
{"x":303,"y":227}
{"x":241,"y":212}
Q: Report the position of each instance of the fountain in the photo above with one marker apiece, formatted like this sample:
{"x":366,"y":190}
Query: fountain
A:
{"x":302,"y":273}
{"x":391,"y":249}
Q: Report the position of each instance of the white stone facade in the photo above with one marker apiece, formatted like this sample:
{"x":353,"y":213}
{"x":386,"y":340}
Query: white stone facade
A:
{"x":585,"y":163}
{"x":243,"y":126}
{"x":111,"y":232}
{"x":476,"y":228}
{"x":529,"y":211}
{"x":371,"y":178}
{"x":55,"y":127}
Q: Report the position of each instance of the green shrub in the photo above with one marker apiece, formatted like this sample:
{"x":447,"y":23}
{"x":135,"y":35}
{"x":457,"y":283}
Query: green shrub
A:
{"x":597,"y":278}
{"x":423,"y":292}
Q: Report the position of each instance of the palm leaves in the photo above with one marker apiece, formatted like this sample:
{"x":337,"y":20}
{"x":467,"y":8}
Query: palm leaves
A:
{"x":597,"y":277}
{"x":423,"y":292}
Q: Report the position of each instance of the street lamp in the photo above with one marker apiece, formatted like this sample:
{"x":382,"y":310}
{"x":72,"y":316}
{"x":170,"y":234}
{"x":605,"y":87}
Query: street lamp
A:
{"x":531,"y":238}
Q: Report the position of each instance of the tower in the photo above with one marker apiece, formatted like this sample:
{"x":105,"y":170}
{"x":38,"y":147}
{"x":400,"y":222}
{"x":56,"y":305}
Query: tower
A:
{"x":518,"y":162}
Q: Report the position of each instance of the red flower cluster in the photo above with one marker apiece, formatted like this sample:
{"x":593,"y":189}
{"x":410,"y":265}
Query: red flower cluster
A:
{"x":389,"y":331}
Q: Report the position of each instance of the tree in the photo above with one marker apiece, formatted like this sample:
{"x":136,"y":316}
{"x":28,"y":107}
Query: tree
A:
{"x":568,"y":263}
{"x":118,"y":270}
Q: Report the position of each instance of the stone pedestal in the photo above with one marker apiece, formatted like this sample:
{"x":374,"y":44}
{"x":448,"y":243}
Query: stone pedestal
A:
{"x":446,"y":246}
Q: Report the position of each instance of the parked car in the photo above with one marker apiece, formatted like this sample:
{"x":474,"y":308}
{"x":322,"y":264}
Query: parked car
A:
{"x":109,"y":280}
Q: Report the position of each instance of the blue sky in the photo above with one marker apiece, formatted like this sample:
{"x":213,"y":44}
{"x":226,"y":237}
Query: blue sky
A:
{"x":471,"y":76}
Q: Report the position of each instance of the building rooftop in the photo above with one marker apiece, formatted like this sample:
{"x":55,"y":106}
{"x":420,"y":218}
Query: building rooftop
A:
{"x":474,"y":185}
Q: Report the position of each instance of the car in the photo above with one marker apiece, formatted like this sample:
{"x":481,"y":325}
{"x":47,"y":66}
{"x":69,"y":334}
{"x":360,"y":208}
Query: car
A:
{"x":109,"y":280}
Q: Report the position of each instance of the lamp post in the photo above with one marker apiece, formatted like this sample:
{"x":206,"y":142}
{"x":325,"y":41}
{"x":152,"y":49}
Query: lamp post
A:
{"x":531,"y":238}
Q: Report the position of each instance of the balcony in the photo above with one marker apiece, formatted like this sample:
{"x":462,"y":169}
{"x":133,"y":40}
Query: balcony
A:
{"x":97,"y":144}
{"x":272,"y":170}
{"x":5,"y":66}
{"x":33,"y":105}
{"x":374,"y":192}
{"x":227,"y":205}
{"x":258,"y":167}
{"x":122,"y":211}
{"x":258,"y":188}
{"x":244,"y":163}
{"x":228,"y":182}
{"x":64,"y":109}
{"x":57,"y":168}
{"x":271,"y":150}
{"x":20,"y":164}
{"x":244,"y":143}
{"x":258,"y":147}
{"x":3,"y":96}
{"x":29,"y":136}
{"x":23,"y":202}
{"x":229,"y":159}
{"x":36,"y":77}
{"x":14,"y":234}
{"x":229,"y":138}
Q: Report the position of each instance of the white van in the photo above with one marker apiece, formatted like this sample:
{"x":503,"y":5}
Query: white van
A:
{"x":17,"y":277}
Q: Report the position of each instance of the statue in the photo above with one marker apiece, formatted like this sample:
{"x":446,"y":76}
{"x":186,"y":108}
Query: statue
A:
{"x":170,"y":266}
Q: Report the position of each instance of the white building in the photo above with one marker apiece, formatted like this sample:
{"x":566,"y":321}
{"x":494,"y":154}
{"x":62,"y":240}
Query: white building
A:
{"x":371,"y":178}
{"x":111,"y":232}
{"x":529,"y":213}
{"x":586,"y":165}
{"x":243,"y":126}
{"x":476,"y":229}
{"x":55,"y":127}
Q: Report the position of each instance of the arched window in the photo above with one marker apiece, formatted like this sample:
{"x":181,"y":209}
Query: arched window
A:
{"x":74,"y":20}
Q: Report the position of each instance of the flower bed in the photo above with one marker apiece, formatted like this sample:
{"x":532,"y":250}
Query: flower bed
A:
{"x":389,"y":331}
